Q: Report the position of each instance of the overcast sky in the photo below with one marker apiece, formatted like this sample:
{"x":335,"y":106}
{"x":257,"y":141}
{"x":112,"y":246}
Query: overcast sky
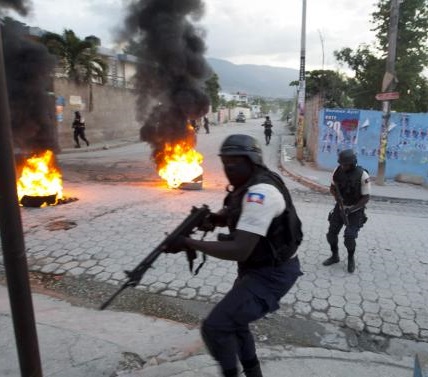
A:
{"x":244,"y":32}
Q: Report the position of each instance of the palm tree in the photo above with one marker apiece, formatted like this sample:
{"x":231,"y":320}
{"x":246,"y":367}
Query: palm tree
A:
{"x":78,"y":58}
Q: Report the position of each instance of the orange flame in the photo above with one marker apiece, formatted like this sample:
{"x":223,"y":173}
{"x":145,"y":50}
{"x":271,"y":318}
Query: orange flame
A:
{"x":180,"y":163}
{"x":40,"y":177}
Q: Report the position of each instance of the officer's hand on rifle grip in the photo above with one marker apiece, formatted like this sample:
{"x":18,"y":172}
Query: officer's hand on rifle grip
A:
{"x":178,"y":245}
{"x":209,"y":223}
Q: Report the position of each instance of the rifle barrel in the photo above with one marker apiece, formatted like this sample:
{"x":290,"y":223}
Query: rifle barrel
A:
{"x":185,"y":228}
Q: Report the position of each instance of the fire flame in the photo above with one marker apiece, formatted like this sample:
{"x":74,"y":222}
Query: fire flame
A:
{"x":179,"y":163}
{"x":40,"y":177}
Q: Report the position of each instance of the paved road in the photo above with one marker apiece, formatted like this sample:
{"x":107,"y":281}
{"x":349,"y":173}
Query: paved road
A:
{"x":124,"y":210}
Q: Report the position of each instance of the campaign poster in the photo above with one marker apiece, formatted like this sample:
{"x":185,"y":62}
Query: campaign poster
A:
{"x":339,"y":130}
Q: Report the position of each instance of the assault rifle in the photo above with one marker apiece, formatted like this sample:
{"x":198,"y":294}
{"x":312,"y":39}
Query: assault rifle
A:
{"x":193,"y":222}
{"x":339,"y":199}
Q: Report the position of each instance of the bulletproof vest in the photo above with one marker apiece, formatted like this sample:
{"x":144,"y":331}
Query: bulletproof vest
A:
{"x":349,"y":184}
{"x":280,"y":242}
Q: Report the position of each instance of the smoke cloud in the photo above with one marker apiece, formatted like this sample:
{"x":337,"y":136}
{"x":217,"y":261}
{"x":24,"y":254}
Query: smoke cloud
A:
{"x":28,"y":66}
{"x":173,"y":70}
{"x":21,"y":6}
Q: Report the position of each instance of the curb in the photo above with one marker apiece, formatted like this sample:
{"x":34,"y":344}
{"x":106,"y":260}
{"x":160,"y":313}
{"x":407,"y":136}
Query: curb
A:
{"x":98,"y":148}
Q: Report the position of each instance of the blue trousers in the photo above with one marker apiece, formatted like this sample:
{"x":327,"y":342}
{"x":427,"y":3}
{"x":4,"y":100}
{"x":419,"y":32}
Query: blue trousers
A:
{"x":356,"y":222}
{"x":256,"y":292}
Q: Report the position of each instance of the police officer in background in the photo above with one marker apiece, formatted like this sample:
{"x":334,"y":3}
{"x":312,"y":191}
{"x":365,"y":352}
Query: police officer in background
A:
{"x":79,"y":129}
{"x":268,"y":129}
{"x":264,"y":233}
{"x":351,"y":188}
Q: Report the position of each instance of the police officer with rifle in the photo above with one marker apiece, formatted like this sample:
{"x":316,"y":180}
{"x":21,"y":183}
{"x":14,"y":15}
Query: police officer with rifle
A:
{"x":264,"y":234}
{"x":351,"y":189}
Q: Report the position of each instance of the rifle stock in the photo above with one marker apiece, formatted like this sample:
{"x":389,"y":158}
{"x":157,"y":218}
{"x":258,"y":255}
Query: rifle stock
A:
{"x":192,"y":222}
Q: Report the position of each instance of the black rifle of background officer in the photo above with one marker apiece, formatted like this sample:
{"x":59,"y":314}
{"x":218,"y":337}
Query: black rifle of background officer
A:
{"x":79,"y":129}
{"x":350,"y":185}
{"x":268,"y":129}
{"x":253,"y":211}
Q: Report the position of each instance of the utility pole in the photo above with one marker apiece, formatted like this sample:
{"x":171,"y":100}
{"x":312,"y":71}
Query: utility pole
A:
{"x":302,"y":89}
{"x":388,"y":85}
{"x":12,"y":240}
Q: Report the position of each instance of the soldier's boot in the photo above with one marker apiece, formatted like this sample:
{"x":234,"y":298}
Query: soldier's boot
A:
{"x":334,"y":257}
{"x":253,"y":371}
{"x":351,"y":262}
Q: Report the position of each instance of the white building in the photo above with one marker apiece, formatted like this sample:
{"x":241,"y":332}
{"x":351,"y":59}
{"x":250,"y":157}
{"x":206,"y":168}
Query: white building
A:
{"x":238,"y":97}
{"x":121,"y":68}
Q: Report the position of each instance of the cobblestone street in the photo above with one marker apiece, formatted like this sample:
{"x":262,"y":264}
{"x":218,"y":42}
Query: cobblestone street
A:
{"x":115,"y":224}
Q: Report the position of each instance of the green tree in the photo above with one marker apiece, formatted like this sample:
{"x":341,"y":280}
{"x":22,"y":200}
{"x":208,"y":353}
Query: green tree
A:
{"x":78,"y":58}
{"x":212,"y":88}
{"x":332,"y":87}
{"x":369,"y":62}
{"x":231,"y":104}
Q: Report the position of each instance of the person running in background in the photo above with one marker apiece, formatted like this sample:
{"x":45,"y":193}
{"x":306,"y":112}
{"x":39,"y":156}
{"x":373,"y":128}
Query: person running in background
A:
{"x":268,"y":129}
{"x":79,"y":129}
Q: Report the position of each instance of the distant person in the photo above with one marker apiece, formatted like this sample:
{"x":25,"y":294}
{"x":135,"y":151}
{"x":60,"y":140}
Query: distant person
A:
{"x":79,"y":129}
{"x":206,"y":125}
{"x":351,"y":188}
{"x":268,"y":129}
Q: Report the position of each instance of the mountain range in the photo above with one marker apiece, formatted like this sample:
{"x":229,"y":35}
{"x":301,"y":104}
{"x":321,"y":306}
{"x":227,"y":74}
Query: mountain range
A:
{"x":257,"y":80}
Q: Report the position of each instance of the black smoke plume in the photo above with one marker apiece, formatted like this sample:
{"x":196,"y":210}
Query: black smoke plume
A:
{"x":21,"y":6}
{"x":28,"y":66}
{"x":172,"y":70}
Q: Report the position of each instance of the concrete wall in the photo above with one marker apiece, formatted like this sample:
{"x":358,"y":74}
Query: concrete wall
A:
{"x":407,"y":149}
{"x":113,"y":115}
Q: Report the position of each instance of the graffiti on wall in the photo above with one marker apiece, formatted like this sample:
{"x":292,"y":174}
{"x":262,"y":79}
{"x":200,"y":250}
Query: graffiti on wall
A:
{"x":407,"y":147}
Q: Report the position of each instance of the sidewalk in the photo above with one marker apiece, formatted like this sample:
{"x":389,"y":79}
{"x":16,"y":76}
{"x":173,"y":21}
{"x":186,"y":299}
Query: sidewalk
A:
{"x":319,"y":180}
{"x":81,"y":342}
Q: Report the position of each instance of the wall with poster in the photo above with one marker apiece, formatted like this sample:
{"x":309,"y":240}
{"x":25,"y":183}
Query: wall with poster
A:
{"x":407,"y":151}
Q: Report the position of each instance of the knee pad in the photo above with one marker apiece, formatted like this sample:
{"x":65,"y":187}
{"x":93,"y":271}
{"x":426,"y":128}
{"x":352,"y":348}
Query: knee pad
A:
{"x":350,"y":243}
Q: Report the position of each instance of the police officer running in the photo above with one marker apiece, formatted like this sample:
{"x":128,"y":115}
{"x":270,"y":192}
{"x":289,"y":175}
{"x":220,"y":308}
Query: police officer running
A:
{"x":264,"y":233}
{"x":79,"y":129}
{"x":268,"y":129}
{"x":351,"y":188}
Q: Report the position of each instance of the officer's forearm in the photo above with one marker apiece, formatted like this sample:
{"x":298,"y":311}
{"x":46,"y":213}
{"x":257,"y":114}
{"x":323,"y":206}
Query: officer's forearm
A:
{"x":333,"y":191}
{"x":361,"y":203}
{"x":237,"y":249}
{"x":227,"y":250}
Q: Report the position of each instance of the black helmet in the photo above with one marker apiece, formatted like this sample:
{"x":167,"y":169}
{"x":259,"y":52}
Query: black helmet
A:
{"x":242,"y":145}
{"x":347,"y":156}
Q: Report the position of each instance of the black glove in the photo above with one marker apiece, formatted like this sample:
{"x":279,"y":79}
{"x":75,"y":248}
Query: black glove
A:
{"x":178,"y":245}
{"x":208,"y":224}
